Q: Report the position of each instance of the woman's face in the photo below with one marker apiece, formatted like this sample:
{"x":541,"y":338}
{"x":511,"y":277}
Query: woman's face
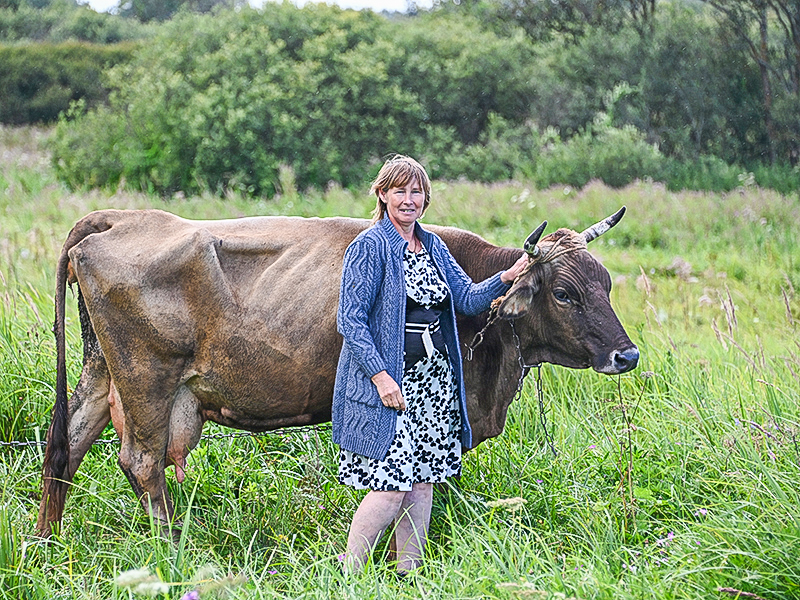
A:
{"x":404,"y":204}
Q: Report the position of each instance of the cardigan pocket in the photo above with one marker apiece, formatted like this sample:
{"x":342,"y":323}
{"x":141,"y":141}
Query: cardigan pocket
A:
{"x":361,"y":427}
{"x":360,"y":388}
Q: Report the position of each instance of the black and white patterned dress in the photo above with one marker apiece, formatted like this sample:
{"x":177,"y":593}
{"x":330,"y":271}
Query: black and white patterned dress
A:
{"x":426,"y":447}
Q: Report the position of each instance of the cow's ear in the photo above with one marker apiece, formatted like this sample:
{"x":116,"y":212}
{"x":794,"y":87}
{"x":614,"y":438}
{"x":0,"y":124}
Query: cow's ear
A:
{"x":516,"y":303}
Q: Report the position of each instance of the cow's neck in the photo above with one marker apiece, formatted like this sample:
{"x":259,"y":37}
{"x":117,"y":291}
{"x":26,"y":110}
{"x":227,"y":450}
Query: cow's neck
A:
{"x":481,"y":259}
{"x":491,"y":377}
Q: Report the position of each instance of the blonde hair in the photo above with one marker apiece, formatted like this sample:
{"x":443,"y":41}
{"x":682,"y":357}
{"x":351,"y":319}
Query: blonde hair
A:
{"x":398,"y":171}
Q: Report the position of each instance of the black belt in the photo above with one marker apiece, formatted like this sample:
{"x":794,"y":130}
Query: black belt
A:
{"x":426,"y":330}
{"x":421,"y":328}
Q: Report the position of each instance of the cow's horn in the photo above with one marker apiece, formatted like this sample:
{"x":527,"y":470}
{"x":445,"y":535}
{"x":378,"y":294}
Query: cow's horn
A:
{"x":598,"y":229}
{"x":530,"y":244}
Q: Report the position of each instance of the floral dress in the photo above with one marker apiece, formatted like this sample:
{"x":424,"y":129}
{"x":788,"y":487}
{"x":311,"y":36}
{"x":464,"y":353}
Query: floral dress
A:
{"x":426,"y":447}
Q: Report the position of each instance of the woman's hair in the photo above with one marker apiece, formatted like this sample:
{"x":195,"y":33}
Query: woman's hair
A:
{"x":398,"y":171}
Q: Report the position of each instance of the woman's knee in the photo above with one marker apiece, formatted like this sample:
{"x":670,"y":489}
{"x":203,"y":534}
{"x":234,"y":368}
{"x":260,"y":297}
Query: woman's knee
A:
{"x":389,"y":500}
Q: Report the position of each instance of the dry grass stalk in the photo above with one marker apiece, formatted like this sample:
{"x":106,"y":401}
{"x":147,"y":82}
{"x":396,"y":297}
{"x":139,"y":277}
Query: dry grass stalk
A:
{"x":730,"y":310}
{"x":720,"y":339}
{"x":643,"y":282}
{"x":742,"y":350}
{"x":788,"y":364}
{"x":739,"y":593}
{"x":788,"y":307}
{"x":761,"y":353}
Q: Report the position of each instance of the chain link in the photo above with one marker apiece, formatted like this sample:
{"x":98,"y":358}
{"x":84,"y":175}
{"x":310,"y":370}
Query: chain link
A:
{"x":209,"y":436}
{"x":524,"y":369}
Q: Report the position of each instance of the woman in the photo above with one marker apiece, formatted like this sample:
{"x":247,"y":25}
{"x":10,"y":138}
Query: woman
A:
{"x":399,"y":407}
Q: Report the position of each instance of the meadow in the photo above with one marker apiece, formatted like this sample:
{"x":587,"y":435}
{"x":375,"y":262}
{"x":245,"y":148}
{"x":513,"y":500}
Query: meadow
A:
{"x":679,"y":480}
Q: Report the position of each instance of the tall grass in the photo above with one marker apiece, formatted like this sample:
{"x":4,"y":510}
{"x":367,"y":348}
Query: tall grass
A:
{"x":678,"y":480}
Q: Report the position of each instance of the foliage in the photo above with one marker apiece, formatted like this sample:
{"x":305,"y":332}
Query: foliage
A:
{"x":38,"y":81}
{"x":615,"y":155}
{"x":459,"y":73}
{"x":225,"y":101}
{"x":63,"y":20}
{"x":706,"y":172}
{"x":769,"y":33}
{"x":503,"y":152}
{"x":217,"y":103}
{"x":163,"y":10}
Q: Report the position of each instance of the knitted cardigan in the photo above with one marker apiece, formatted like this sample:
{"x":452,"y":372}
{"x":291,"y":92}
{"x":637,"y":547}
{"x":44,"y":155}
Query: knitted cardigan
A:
{"x":371,"y":318}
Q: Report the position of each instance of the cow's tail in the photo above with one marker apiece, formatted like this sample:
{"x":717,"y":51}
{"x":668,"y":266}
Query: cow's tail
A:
{"x":55,"y":471}
{"x":56,"y":457}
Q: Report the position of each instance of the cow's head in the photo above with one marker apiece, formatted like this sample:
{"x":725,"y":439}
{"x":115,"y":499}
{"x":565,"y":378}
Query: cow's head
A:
{"x":560,"y":304}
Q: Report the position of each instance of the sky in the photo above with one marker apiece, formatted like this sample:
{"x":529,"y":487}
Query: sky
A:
{"x":376,"y":5}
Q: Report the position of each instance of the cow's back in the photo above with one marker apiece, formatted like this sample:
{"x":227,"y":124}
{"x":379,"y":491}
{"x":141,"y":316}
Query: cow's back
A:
{"x":245,"y":307}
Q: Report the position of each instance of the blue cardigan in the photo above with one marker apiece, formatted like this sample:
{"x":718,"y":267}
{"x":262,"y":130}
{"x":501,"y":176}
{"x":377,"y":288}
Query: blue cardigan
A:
{"x":371,"y":318}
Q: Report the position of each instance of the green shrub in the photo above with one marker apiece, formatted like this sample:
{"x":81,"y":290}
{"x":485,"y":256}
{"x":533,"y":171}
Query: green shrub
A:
{"x":219,"y":103}
{"x":62,"y":21}
{"x":781,"y":178}
{"x":503,"y":152}
{"x":615,"y":155}
{"x":38,"y":81}
{"x":705,"y":173}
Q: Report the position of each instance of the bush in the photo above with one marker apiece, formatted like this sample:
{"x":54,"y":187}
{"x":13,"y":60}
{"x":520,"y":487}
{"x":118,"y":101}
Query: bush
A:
{"x":781,"y":178}
{"x":706,"y":173}
{"x":218,"y":103}
{"x":62,"y":21}
{"x":504,"y":152}
{"x":616,"y":155}
{"x":38,"y":81}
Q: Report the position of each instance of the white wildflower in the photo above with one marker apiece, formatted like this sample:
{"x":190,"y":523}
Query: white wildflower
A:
{"x":151,"y":588}
{"x":511,"y":504}
{"x":132,"y":577}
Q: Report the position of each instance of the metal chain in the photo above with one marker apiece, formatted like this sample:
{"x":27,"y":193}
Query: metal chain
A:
{"x":477,"y":340}
{"x":210,"y":436}
{"x":524,"y":369}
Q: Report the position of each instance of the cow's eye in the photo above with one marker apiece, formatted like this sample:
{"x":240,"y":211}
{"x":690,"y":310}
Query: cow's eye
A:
{"x":561,"y":295}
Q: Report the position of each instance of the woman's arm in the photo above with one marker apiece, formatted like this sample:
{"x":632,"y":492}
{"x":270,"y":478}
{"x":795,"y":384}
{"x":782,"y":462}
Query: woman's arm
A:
{"x":362,"y":274}
{"x":472,"y":298}
{"x":361,"y":278}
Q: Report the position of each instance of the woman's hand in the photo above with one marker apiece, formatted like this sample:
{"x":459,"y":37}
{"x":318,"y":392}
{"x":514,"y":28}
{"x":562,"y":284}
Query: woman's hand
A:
{"x":389,"y":391}
{"x":509,"y":276}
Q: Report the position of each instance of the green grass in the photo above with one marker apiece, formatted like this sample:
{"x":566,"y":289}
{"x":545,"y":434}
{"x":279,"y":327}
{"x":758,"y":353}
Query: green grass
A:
{"x":707,"y":426}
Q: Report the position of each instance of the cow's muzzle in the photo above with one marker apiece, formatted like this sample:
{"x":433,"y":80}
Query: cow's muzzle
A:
{"x":621,"y":361}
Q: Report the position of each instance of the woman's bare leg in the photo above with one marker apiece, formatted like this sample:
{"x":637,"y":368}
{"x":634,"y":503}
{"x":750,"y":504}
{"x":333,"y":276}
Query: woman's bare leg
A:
{"x":375,"y":513}
{"x":411,"y":531}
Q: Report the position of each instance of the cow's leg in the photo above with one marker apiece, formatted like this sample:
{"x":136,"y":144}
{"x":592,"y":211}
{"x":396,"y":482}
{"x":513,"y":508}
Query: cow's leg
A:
{"x":143,"y":463}
{"x":88,"y":415}
{"x":148,"y":395}
{"x":186,"y":425}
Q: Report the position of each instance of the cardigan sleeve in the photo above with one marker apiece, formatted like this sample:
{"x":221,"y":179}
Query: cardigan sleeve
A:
{"x":470,"y":298}
{"x":361,"y":279}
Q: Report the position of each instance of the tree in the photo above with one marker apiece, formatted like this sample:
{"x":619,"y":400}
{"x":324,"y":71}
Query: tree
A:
{"x":161,"y":10}
{"x":540,"y":18}
{"x":770,"y":30}
{"x":573,"y":19}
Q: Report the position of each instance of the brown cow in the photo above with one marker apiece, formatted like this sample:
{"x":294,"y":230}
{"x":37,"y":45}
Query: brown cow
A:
{"x":234,"y":322}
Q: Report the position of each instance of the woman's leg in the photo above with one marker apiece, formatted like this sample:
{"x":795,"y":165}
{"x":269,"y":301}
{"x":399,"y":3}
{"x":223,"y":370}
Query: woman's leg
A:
{"x":411,"y":531}
{"x":375,"y":513}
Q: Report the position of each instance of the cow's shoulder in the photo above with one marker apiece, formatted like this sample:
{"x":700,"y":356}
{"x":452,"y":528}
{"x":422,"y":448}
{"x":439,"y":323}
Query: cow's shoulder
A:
{"x":478,"y":257}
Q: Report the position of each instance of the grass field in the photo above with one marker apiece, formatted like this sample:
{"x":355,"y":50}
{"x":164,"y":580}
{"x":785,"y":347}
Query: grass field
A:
{"x":679,"y":480}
